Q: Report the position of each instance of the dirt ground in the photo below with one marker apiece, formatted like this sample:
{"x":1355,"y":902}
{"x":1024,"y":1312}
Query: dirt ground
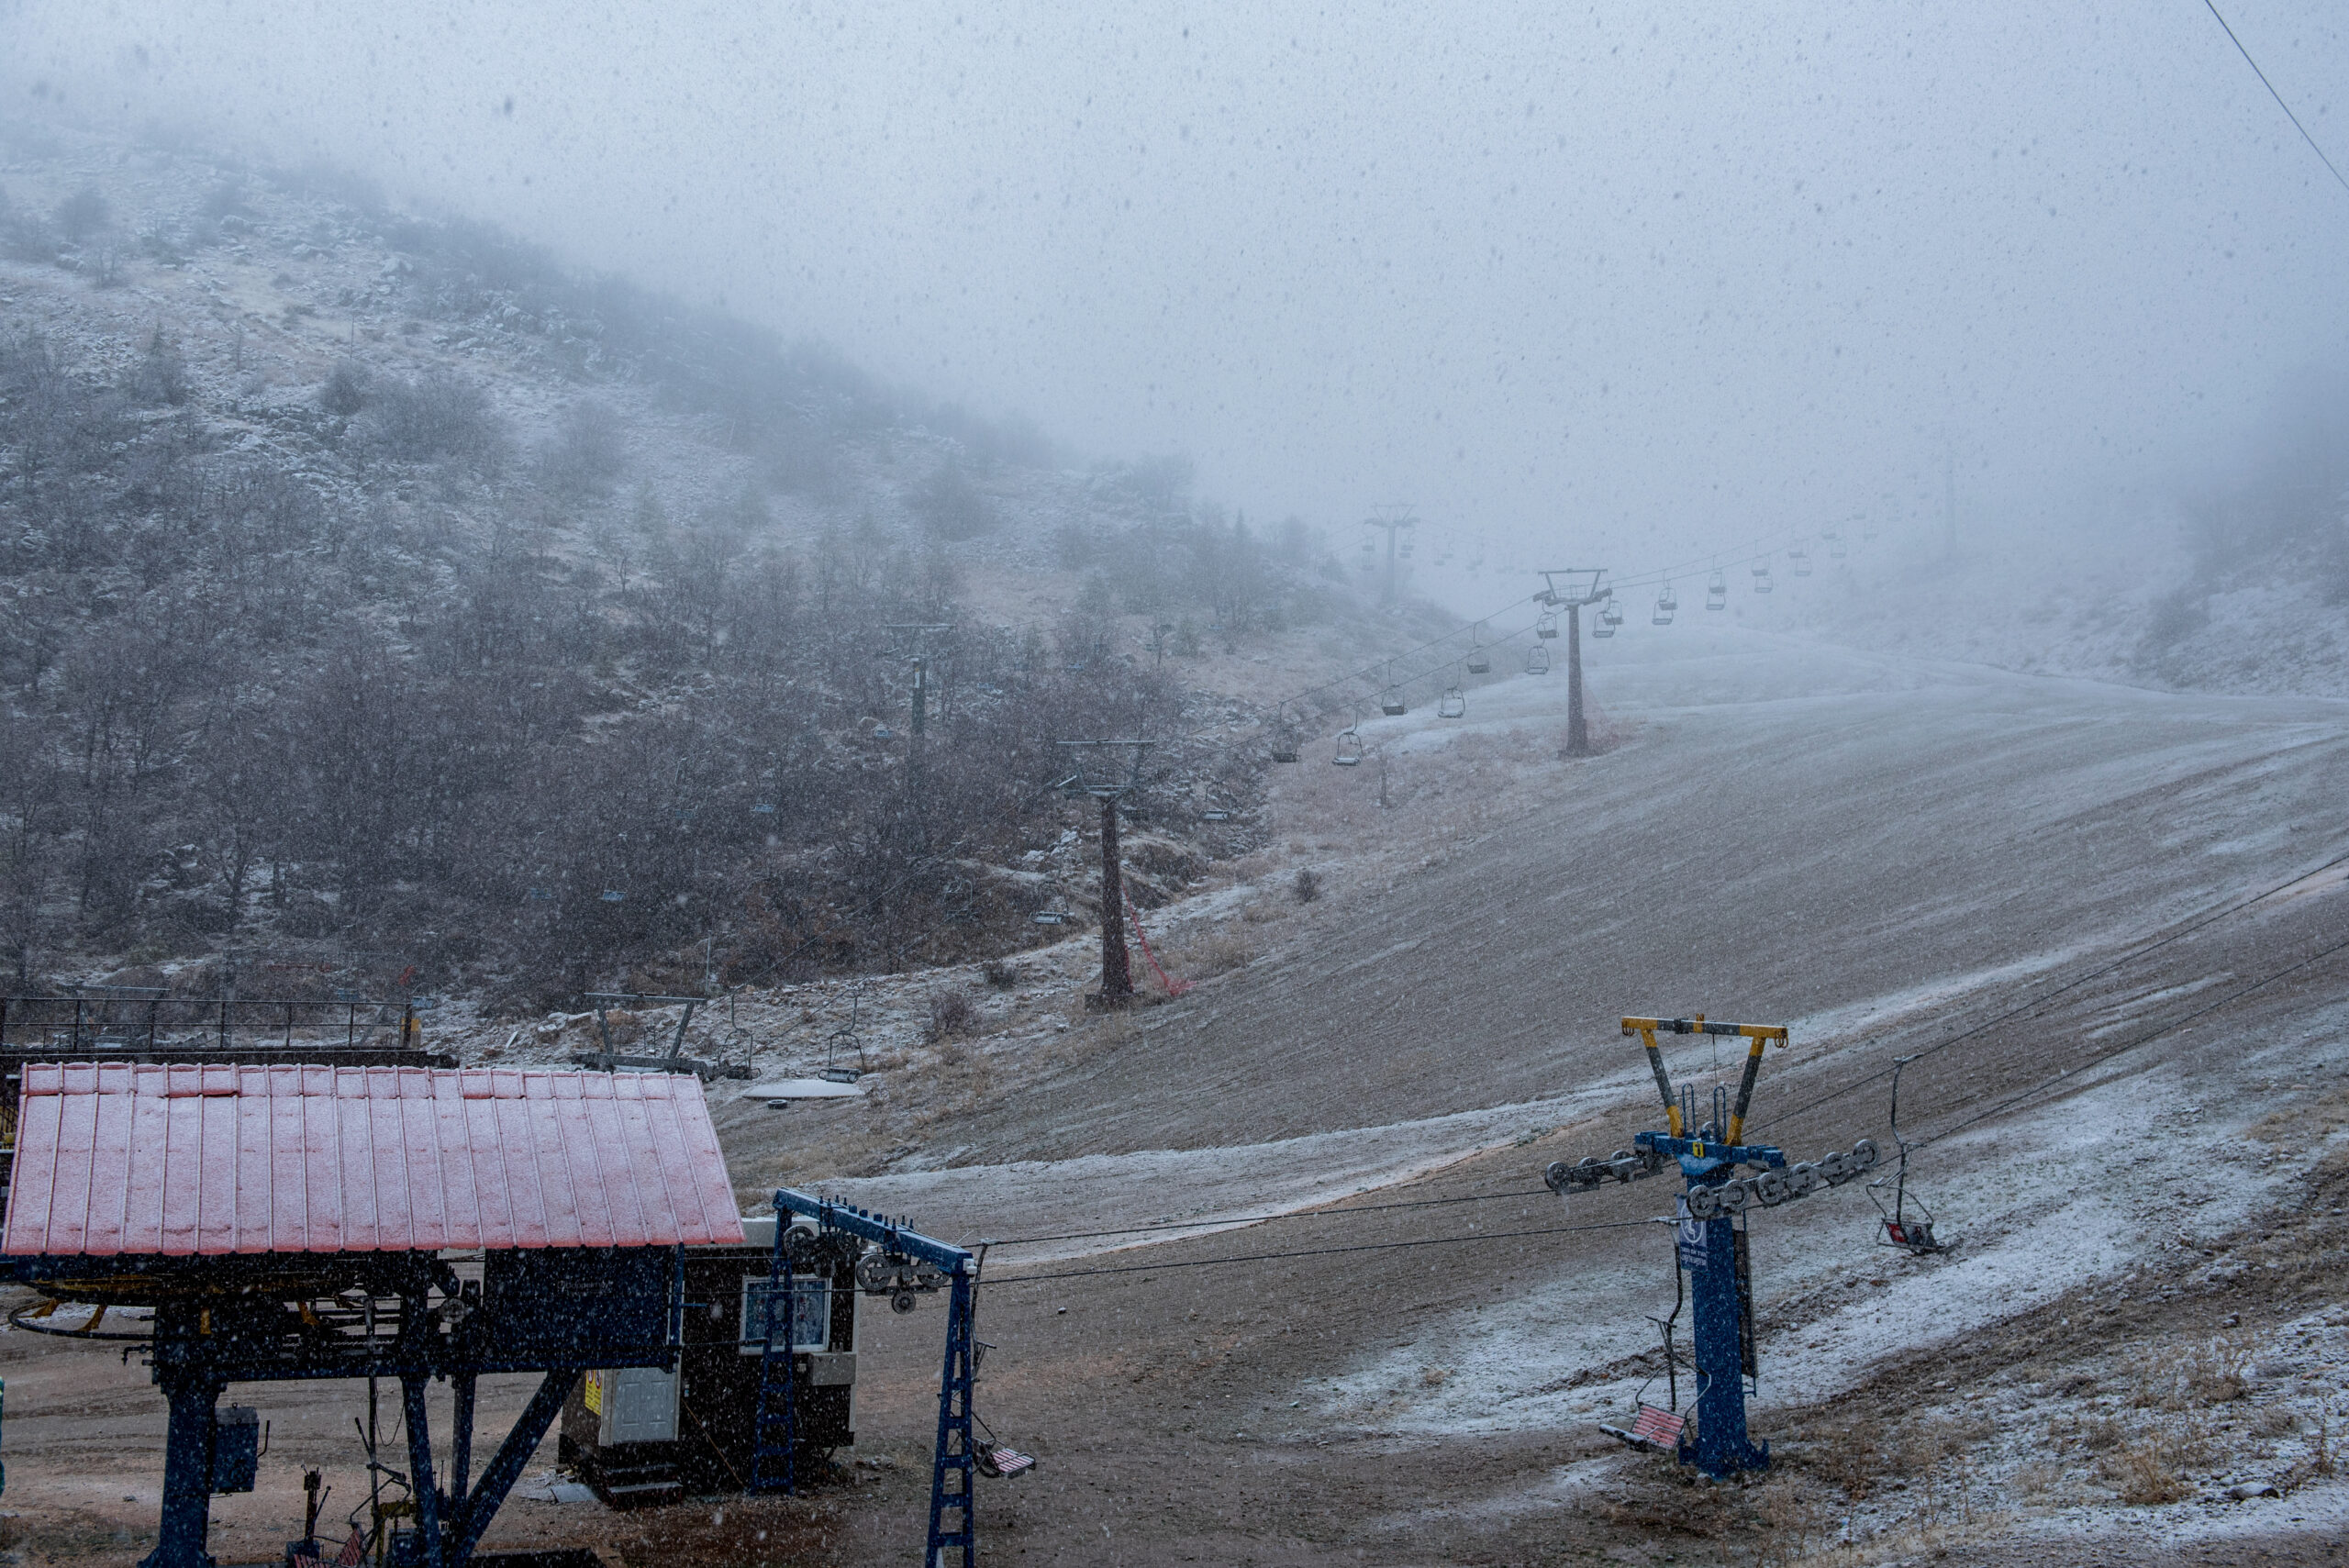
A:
{"x":2145,"y":1330}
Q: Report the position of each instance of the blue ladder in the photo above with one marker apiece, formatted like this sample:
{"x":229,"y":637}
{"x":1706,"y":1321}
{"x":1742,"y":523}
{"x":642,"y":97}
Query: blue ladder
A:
{"x":950,"y":1480}
{"x":778,"y":1404}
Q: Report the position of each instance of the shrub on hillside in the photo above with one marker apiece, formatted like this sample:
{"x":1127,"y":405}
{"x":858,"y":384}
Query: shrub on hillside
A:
{"x":346,"y":389}
{"x":436,"y":418}
{"x":951,"y":507}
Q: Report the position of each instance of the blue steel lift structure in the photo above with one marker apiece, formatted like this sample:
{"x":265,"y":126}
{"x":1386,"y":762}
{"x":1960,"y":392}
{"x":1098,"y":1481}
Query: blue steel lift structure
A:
{"x":1712,"y":1250}
{"x":907,"y":1262}
{"x":259,"y":1318}
{"x":1711,"y":1246}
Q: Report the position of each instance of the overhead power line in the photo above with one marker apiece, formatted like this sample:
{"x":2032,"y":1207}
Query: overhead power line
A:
{"x":2280,"y":103}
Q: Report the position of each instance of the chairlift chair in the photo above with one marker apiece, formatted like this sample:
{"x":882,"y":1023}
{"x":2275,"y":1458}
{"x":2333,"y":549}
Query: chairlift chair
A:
{"x":1391,"y":704}
{"x":1602,"y":627}
{"x":1284,"y":736}
{"x":1799,"y":561}
{"x":1612,"y":615}
{"x":1834,"y":542}
{"x":1349,"y":748}
{"x":1667,"y":607}
{"x":1761,"y":578}
{"x":1547,"y":627}
{"x":1479,"y":662}
{"x":835,"y":1071}
{"x":1537,"y":661}
{"x":1453,"y":704}
{"x":1908,"y":1223}
{"x":1716,"y":592}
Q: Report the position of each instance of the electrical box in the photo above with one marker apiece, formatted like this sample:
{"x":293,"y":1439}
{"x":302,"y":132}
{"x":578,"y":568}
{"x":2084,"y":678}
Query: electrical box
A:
{"x":236,"y":1448}
{"x":632,"y":1405}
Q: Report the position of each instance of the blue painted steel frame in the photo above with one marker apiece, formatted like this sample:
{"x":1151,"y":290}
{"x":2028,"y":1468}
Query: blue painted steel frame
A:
{"x":197,"y":1352}
{"x":782,"y":1295}
{"x":953,"y":1469}
{"x":1721,"y":1447}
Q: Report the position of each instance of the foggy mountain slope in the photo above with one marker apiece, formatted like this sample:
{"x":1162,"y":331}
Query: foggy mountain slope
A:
{"x":377,"y":584}
{"x":1838,"y":834}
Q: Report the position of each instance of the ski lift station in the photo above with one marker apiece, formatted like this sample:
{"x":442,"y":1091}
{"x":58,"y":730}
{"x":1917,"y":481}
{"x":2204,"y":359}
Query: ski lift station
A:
{"x":280,"y":1222}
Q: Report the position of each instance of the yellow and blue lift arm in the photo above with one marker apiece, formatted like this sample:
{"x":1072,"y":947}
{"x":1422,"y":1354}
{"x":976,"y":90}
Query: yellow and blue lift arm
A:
{"x":1760,"y":1035}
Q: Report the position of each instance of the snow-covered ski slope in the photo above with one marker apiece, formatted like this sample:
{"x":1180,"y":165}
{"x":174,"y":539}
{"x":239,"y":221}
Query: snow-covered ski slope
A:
{"x":1789,"y":833}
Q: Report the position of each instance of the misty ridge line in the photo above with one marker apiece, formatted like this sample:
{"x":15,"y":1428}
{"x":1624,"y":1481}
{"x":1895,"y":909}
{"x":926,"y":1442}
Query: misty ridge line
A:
{"x":400,"y":678}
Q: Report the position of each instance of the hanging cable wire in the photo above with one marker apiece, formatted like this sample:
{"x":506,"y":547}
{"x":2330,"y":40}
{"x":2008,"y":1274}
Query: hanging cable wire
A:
{"x":1284,"y":1213}
{"x":2132,"y":955}
{"x":1983,"y":1115}
{"x":1327,"y":1252}
{"x":2068,"y":1073}
{"x":2277,"y":96}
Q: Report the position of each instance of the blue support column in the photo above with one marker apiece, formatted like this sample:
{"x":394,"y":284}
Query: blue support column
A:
{"x":953,"y":1526}
{"x":419,"y":1466}
{"x":774,"y":1459}
{"x":505,"y":1467}
{"x":188,"y":1470}
{"x":460,"y":1443}
{"x":1709,"y":1254}
{"x":1721,"y":1447}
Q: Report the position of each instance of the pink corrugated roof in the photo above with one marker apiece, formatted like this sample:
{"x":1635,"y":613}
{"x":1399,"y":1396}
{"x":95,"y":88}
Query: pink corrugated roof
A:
{"x":114,"y":1158}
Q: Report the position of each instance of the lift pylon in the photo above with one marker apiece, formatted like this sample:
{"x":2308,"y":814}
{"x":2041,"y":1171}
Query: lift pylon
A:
{"x":1711,"y":1242}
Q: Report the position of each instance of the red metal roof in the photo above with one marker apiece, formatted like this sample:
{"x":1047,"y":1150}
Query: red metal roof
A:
{"x":114,"y":1158}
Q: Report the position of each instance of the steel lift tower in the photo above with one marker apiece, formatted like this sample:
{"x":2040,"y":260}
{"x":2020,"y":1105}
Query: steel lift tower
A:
{"x":1098,"y":776}
{"x":1575,"y":586}
{"x":1711,"y":1242}
{"x":1392,"y":521}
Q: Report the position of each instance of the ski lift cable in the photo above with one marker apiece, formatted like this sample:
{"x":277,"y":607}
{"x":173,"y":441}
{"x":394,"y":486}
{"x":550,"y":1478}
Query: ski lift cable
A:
{"x":1327,"y":1252}
{"x":1286,"y":1214}
{"x":2019,"y":1009}
{"x":2067,"y":1074}
{"x":1754,"y":549}
{"x":2280,"y":103}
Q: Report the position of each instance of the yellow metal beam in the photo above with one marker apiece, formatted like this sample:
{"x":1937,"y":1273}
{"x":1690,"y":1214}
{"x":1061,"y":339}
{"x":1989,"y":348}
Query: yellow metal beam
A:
{"x":1761,"y":1036}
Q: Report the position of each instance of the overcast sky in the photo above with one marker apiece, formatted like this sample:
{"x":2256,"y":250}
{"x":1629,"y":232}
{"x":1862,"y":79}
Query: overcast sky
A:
{"x":1577,"y":273}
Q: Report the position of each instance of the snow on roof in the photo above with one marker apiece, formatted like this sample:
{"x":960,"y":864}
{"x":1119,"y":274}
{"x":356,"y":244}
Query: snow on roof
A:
{"x":176,"y":1160}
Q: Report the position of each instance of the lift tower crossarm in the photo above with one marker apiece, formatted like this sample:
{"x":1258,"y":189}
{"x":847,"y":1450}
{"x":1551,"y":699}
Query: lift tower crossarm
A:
{"x":889,"y":1236}
{"x":1760,"y":1034}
